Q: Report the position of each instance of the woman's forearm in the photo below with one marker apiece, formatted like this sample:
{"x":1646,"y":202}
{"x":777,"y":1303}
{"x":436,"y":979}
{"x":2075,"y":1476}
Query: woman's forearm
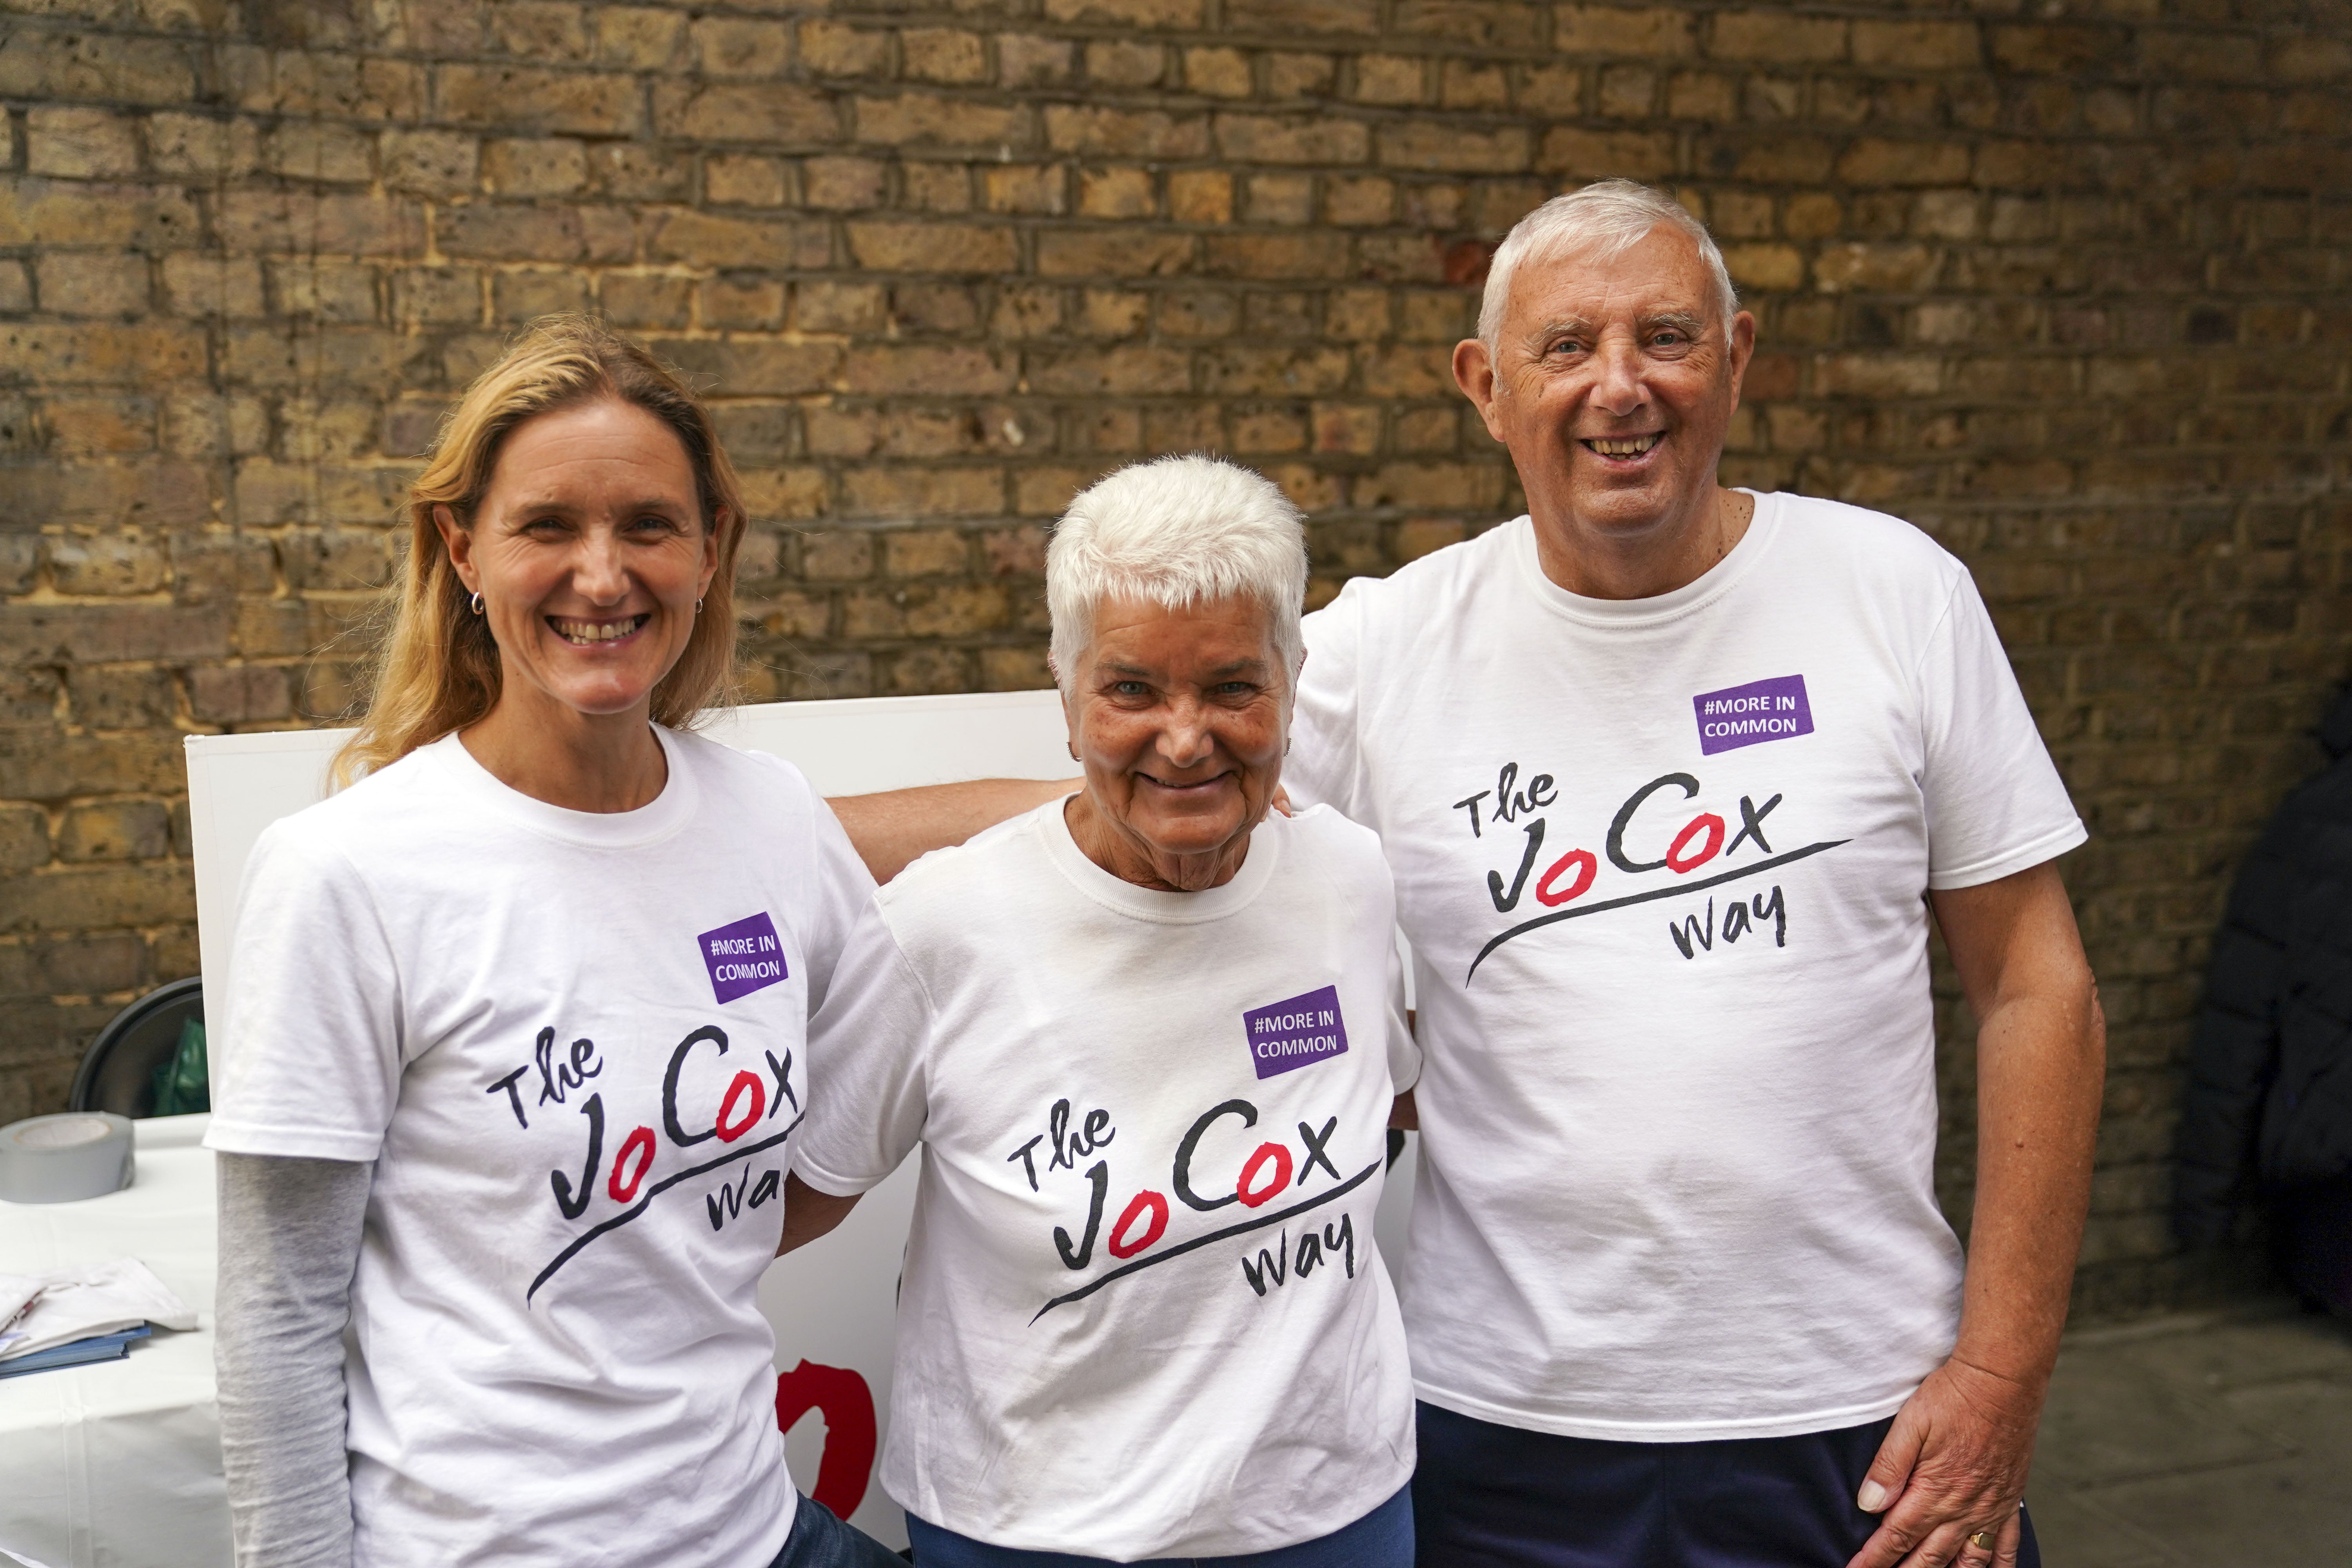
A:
{"x":290,"y":1242}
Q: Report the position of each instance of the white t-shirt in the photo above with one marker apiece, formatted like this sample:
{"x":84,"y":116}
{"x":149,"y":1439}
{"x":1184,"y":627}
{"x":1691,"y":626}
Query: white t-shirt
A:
{"x":1663,"y":863}
{"x":1142,"y":1315}
{"x":573,"y":1043}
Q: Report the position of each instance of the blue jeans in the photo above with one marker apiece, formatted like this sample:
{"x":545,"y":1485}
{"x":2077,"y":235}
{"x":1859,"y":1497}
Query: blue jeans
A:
{"x":820,"y":1541}
{"x":1488,"y":1496}
{"x":1381,"y":1539}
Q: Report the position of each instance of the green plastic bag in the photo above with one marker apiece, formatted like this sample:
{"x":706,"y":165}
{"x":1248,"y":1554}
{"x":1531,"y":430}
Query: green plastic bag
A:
{"x":183,"y":1084}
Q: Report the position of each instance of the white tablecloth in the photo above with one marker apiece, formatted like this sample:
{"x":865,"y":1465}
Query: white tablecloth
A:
{"x":118,"y":1465}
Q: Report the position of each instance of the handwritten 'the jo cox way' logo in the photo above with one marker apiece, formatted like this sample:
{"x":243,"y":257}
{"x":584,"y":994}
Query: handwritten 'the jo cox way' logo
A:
{"x":1296,"y":1032}
{"x":744,"y":957}
{"x":1749,"y":715}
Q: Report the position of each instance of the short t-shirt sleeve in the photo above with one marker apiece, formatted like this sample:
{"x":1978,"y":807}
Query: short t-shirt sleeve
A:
{"x":1404,"y":1051}
{"x":841,"y":888}
{"x":1324,"y":766}
{"x":309,"y":1052}
{"x":1995,"y":803}
{"x":868,"y":1097}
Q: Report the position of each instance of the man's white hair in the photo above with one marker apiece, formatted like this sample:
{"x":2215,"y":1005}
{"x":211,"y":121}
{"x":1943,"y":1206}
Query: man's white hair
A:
{"x":1603,"y":221}
{"x":1176,"y":532}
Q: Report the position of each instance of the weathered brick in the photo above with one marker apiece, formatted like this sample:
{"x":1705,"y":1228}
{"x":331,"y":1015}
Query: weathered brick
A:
{"x":1300,"y":255}
{"x":740,"y":46}
{"x":936,"y":371}
{"x":1426,"y":144}
{"x":79,"y":284}
{"x":53,"y":212}
{"x":240,"y":694}
{"x":1269,"y":138}
{"x":1123,"y":134}
{"x":1775,"y":35}
{"x":903,"y":491}
{"x":1595,"y":154}
{"x":1584,"y":31}
{"x":932,"y":247}
{"x":946,"y":55}
{"x":916,"y":119}
{"x":637,"y":37}
{"x":1921,"y":45}
{"x":709,"y":239}
{"x":431,"y":163}
{"x":1117,"y":192}
{"x":90,"y":65}
{"x":837,"y":49}
{"x":765,"y":113}
{"x":590,"y":102}
{"x":80,"y":143}
{"x":313,"y":223}
{"x":25,"y":838}
{"x":99,"y":353}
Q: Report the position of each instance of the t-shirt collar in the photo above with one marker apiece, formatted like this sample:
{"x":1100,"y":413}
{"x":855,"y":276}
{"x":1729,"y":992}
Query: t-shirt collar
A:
{"x":658,"y":820}
{"x":1708,"y":587}
{"x":1152,"y":904}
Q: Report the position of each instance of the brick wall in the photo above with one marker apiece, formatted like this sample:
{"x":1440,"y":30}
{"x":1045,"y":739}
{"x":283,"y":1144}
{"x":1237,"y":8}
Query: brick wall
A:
{"x":2065,"y":285}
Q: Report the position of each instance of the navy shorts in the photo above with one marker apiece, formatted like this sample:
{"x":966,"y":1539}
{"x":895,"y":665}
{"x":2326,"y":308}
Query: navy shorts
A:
{"x":1381,"y":1539}
{"x":1497,"y":1497}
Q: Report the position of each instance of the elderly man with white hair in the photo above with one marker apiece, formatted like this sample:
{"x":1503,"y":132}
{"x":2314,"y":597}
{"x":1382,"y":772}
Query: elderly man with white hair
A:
{"x":1671,"y":778}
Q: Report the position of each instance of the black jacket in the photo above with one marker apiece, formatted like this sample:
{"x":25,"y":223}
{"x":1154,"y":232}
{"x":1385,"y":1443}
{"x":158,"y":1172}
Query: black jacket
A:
{"x":2270,"y":1070}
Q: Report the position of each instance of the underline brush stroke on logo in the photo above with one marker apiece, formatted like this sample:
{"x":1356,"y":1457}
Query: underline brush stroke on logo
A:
{"x":1260,"y":1223}
{"x":1675,"y":891}
{"x":635,"y":1209}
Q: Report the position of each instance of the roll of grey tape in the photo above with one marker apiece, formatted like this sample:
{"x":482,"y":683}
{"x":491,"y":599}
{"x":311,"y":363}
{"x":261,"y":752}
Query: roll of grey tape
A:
{"x":56,"y":1159}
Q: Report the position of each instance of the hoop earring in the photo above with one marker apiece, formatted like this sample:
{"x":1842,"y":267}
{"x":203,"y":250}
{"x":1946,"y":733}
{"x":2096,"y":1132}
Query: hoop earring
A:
{"x":698,"y":606}
{"x":475,"y":605}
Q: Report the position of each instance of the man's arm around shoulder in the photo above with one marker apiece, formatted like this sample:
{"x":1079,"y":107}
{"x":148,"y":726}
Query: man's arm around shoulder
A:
{"x":894,"y":828}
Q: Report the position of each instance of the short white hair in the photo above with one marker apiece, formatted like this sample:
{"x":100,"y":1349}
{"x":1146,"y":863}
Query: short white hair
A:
{"x":1176,"y":532}
{"x":1603,"y":220}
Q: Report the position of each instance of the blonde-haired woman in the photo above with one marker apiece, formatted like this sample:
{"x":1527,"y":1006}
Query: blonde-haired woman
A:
{"x":506,"y":1009}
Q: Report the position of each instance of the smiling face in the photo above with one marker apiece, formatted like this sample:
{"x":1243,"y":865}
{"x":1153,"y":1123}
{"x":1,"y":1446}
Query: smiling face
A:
{"x":590,"y":553}
{"x":1179,"y":716}
{"x":1613,"y":385}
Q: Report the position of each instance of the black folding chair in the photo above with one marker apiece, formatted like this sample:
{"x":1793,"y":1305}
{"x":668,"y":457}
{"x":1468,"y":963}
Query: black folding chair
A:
{"x":118,"y":1071}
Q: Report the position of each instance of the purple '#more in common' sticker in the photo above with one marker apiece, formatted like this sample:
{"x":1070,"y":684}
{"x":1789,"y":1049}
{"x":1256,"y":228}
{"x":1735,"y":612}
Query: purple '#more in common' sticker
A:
{"x":744,"y":957}
{"x":1296,"y":1032}
{"x":1749,"y":715}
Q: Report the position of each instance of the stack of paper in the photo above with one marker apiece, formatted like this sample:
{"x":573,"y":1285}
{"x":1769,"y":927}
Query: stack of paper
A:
{"x":91,"y":1311}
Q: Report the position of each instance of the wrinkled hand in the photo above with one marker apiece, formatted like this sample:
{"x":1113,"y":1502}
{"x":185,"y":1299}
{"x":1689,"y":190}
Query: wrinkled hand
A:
{"x":1953,"y":1464}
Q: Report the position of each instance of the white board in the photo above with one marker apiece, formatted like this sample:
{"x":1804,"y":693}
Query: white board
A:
{"x":833,"y":1304}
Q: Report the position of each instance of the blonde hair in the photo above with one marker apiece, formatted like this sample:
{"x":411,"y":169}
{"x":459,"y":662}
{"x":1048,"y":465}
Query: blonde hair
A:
{"x":438,"y":667}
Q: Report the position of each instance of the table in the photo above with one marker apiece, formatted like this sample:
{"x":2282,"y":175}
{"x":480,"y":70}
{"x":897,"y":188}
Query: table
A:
{"x":118,"y":1464}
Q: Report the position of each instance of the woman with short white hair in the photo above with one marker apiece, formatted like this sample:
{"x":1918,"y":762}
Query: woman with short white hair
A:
{"x":1149,"y":1037}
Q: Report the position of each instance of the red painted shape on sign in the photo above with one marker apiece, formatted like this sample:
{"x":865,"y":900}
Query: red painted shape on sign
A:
{"x":841,"y":1396}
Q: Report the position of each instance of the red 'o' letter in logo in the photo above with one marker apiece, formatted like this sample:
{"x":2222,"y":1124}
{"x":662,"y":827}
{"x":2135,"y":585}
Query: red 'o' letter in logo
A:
{"x":1152,"y":1204}
{"x":1251,"y":1194}
{"x":1581,"y":859}
{"x":745,"y":1083}
{"x":637,"y":1146}
{"x":1707,"y":823}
